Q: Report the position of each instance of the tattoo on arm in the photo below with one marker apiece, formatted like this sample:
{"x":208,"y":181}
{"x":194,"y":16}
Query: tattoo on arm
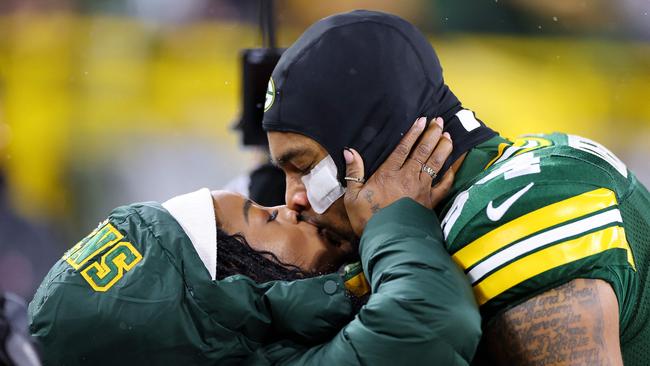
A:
{"x":374,"y":206}
{"x":568,"y":325}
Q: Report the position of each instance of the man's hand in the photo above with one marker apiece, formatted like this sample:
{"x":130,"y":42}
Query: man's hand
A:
{"x":401,"y":175}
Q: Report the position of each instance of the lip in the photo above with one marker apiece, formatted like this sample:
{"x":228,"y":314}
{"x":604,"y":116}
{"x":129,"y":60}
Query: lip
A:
{"x":312,"y":221}
{"x":316,"y":223}
{"x":308,"y":222}
{"x":325,"y":231}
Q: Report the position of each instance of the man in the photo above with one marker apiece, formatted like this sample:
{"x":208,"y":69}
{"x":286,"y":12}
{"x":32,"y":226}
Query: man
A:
{"x":552,"y":230}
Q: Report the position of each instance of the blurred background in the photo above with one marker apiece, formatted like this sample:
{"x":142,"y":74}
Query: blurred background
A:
{"x":103,"y":103}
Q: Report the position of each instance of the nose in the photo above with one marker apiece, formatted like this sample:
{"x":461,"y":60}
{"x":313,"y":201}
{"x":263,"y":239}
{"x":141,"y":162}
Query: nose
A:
{"x":296,"y":195}
{"x":289,"y":215}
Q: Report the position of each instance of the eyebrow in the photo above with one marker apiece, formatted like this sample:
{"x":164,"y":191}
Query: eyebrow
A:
{"x":247,"y":208}
{"x":287,"y":156}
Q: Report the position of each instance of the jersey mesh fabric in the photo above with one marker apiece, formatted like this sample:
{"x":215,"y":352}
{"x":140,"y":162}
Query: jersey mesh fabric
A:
{"x":562,"y":168}
{"x":635,"y":212}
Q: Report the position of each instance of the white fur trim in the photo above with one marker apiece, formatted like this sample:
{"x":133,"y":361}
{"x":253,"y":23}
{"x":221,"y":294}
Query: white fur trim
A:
{"x":195,"y":213}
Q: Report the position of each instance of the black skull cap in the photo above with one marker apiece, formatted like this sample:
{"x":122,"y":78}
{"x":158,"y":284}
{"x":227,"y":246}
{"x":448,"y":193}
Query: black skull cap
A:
{"x":360,"y":80}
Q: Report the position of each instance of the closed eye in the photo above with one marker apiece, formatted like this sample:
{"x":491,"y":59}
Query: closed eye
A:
{"x":299,"y":168}
{"x":272,"y":216}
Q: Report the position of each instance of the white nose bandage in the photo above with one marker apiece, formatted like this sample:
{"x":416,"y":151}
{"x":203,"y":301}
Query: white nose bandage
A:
{"x":322,"y":186}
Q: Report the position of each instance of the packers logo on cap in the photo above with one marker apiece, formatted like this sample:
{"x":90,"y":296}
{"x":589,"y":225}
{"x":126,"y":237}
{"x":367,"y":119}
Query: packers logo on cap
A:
{"x":270,"y":95}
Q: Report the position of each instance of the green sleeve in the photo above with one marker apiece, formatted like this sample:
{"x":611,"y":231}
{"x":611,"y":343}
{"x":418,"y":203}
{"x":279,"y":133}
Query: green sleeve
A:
{"x":421,"y":310}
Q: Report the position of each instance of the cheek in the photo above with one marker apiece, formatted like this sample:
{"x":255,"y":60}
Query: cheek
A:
{"x":337,"y":217}
{"x":317,"y":256}
{"x":288,"y":247}
{"x":297,"y":247}
{"x":304,"y":251}
{"x":263,"y":241}
{"x":338,"y":210}
{"x":300,"y":248}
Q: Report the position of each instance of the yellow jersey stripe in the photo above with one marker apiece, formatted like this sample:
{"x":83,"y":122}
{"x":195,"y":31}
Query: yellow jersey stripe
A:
{"x":542,"y":239}
{"x":533,"y":222}
{"x":549,"y":258}
{"x":502,"y":146}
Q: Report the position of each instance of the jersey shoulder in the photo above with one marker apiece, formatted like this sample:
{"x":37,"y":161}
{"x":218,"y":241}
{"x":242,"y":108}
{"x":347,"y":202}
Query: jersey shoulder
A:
{"x":543,"y":211}
{"x":561,"y":157}
{"x":534,"y":171}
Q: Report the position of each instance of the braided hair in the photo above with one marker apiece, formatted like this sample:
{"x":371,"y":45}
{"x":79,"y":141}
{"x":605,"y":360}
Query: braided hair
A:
{"x":236,"y":256}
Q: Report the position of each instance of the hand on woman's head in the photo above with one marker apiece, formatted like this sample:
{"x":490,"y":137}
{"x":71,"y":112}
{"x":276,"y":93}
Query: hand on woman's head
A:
{"x":408,"y":172}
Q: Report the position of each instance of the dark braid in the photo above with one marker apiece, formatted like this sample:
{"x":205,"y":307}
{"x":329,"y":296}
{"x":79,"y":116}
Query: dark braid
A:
{"x":235,"y":256}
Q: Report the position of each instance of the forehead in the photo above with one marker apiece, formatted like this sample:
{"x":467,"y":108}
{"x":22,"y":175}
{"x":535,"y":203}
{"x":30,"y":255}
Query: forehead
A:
{"x":227,"y":207}
{"x":288,"y":145}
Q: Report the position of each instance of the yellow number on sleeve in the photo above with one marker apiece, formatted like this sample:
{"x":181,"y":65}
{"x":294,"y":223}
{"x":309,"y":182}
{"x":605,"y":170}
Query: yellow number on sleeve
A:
{"x":103,"y":274}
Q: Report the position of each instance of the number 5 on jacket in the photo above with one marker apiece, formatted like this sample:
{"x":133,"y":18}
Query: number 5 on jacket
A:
{"x":103,"y":274}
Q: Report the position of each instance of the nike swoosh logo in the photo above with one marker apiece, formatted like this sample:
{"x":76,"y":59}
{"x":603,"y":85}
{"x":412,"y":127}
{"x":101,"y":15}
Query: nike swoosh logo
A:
{"x":496,"y":213}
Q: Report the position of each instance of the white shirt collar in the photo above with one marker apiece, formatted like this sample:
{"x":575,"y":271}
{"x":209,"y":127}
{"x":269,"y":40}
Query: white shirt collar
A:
{"x":195,"y":213}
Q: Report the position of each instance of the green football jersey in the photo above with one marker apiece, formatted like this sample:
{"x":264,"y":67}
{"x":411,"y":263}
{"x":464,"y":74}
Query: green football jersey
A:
{"x":531,"y":214}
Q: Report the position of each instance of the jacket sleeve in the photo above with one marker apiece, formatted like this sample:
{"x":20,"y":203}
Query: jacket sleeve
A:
{"x":421,"y":310}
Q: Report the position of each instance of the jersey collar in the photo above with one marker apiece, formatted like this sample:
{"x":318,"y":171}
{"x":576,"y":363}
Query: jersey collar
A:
{"x":475,"y":162}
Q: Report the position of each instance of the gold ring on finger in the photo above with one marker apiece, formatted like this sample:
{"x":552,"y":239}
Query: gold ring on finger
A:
{"x":355,"y":179}
{"x":429,"y":170}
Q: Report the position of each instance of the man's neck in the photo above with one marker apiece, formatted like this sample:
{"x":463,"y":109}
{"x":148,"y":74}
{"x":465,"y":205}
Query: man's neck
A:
{"x":471,"y":164}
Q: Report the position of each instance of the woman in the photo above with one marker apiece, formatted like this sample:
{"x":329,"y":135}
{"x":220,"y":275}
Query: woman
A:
{"x":142,"y":285}
{"x":188,"y":282}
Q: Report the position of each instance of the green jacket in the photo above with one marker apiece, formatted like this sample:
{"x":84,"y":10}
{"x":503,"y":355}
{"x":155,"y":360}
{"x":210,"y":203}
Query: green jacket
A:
{"x":136,"y":292}
{"x":421,"y":311}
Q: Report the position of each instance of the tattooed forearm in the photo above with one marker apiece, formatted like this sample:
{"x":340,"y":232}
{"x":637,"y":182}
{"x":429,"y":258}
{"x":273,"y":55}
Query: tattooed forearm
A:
{"x":374,"y":207}
{"x":563,"y":326}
